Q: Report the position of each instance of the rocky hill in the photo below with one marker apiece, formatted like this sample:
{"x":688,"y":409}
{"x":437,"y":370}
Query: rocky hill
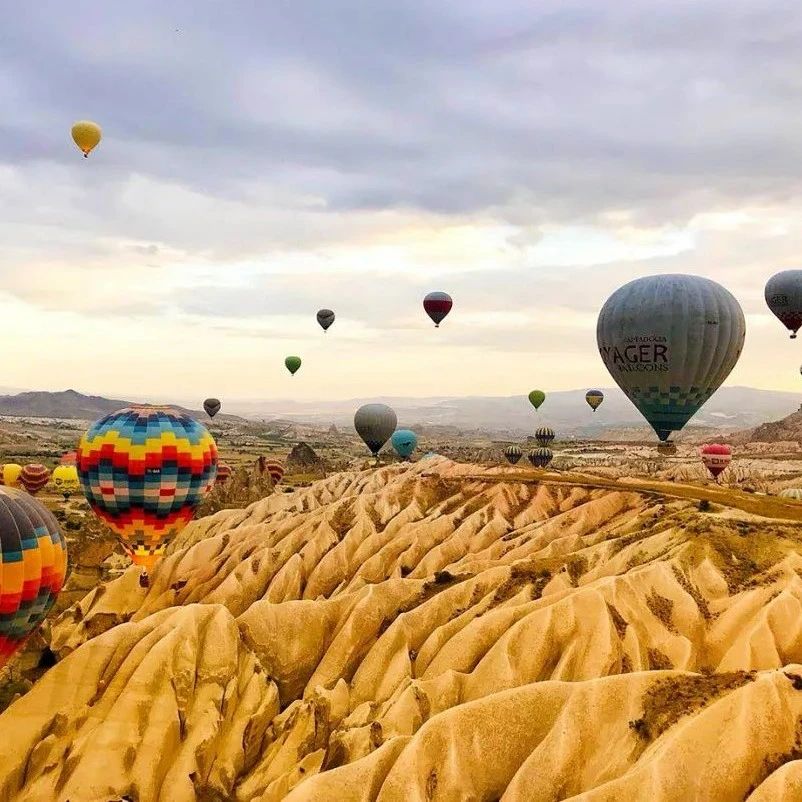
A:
{"x":436,"y":631}
{"x":786,"y":430}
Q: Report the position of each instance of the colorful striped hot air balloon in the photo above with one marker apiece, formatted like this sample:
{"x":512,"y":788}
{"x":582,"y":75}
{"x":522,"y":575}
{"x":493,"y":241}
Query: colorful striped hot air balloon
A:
{"x":34,"y":477}
{"x":544,"y":435}
{"x":223,"y":473}
{"x":144,"y":470}
{"x":513,"y":454}
{"x":10,"y":474}
{"x":33,"y":563}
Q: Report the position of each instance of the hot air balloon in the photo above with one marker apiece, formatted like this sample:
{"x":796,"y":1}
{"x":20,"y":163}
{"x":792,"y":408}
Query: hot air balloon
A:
{"x":11,"y":474}
{"x":784,"y":298}
{"x":33,"y":564}
{"x":275,"y":470}
{"x":513,"y":454}
{"x":669,"y":341}
{"x":293,"y":363}
{"x":594,"y":398}
{"x":34,"y":477}
{"x":536,"y":398}
{"x":374,"y":423}
{"x":794,"y":493}
{"x":86,"y":135}
{"x":437,"y":306}
{"x":223,"y":473}
{"x":70,"y":458}
{"x":65,"y":480}
{"x":541,"y":457}
{"x":325,"y":317}
{"x":212,"y":406}
{"x":144,"y":470}
{"x":716,"y":457}
{"x":404,"y":442}
{"x":544,"y":435}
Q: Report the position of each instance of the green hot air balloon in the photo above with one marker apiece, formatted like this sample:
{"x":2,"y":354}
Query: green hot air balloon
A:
{"x":594,"y":398}
{"x":536,"y":398}
{"x":374,"y":423}
{"x":293,"y":363}
{"x":669,"y":341}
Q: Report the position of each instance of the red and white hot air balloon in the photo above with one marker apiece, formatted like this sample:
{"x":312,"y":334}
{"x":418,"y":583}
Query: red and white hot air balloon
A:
{"x":716,"y":458}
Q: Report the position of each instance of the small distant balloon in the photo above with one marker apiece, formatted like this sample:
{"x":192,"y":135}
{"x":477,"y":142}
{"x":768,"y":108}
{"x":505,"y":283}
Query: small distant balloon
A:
{"x":716,"y":457}
{"x":404,"y":442}
{"x":212,"y":406}
{"x":65,"y":480}
{"x":794,"y":493}
{"x":275,"y":470}
{"x":34,"y":477}
{"x":536,"y":398}
{"x":293,"y":363}
{"x":513,"y":454}
{"x":541,"y":457}
{"x":86,"y":136}
{"x":375,"y":423}
{"x":437,"y":306}
{"x":594,"y":398}
{"x":784,"y":298}
{"x":70,"y":458}
{"x":223,"y":473}
{"x":11,"y":474}
{"x":325,"y":317}
{"x":544,"y":435}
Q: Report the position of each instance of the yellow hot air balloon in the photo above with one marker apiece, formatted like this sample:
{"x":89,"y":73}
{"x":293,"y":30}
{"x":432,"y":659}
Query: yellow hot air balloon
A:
{"x":65,"y":480}
{"x":10,"y":473}
{"x":86,"y":135}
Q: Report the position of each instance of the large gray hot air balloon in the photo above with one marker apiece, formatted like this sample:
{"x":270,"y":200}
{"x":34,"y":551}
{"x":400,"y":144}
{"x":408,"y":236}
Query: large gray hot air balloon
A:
{"x":375,"y":423}
{"x":669,"y":341}
{"x":784,"y":298}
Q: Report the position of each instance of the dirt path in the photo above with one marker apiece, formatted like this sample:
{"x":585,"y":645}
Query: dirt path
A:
{"x":765,"y":506}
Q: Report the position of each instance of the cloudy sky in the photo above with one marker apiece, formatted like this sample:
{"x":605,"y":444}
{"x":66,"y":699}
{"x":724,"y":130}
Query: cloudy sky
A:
{"x":264,"y":159}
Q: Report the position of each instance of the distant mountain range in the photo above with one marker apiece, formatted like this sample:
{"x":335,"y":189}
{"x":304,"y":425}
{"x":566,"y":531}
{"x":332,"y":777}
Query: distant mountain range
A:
{"x":70,"y":404}
{"x":731,"y":409}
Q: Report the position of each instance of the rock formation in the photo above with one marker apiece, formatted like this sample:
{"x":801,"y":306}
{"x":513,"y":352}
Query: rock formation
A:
{"x":436,"y":631}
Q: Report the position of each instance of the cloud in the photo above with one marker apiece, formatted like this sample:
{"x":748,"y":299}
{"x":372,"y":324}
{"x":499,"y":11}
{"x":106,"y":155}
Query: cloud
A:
{"x":267,"y":159}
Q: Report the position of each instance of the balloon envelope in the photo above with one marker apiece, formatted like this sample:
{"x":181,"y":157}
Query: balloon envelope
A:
{"x":437,"y":306}
{"x":86,"y":135}
{"x":792,"y":492}
{"x":11,"y":474}
{"x":325,"y":317}
{"x":594,"y":398}
{"x":33,"y":564}
{"x":784,"y":298}
{"x":404,"y":442}
{"x":513,"y":454}
{"x":536,"y":398}
{"x":544,"y":435}
{"x":65,"y":479}
{"x":716,"y":457}
{"x":34,"y":477}
{"x":669,"y":341}
{"x":374,"y":423}
{"x":223,"y":473}
{"x":541,"y":457}
{"x":293,"y":363}
{"x":275,"y":471}
{"x":212,"y":406}
{"x":144,"y":470}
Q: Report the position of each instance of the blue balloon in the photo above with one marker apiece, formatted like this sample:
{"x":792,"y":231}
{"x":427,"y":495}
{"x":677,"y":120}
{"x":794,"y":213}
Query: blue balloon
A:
{"x":404,"y":442}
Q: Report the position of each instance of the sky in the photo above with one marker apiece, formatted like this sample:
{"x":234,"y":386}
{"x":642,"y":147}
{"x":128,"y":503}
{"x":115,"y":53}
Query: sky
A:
{"x":261,"y":160}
